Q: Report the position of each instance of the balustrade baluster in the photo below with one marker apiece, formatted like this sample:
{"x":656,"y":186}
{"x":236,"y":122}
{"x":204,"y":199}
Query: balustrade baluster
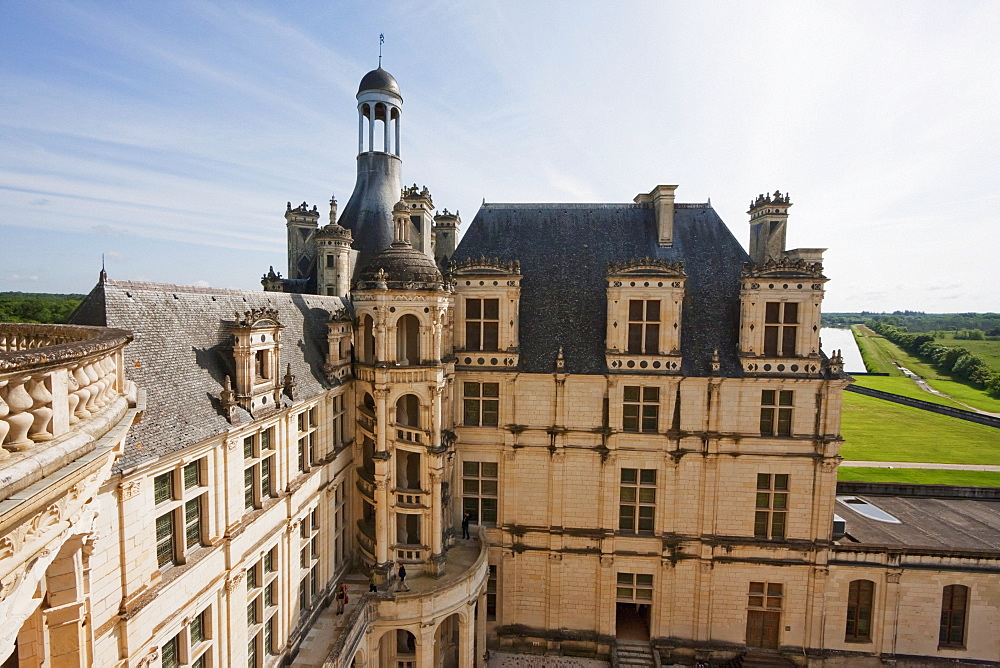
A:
{"x":41,"y":409}
{"x":19,"y":420}
{"x":4,"y":411}
{"x":84,"y":392}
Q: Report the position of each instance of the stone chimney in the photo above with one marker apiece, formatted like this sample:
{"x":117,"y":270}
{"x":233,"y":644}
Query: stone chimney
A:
{"x":662,"y":199}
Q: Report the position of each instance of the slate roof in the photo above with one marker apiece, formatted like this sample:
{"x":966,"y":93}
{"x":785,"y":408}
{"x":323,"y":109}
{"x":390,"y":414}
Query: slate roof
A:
{"x":948,"y":524}
{"x":182,"y":352}
{"x":564,"y":250}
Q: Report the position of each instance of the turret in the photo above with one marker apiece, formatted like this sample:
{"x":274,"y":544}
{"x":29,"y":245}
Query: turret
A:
{"x":420,"y":211}
{"x":368,"y":214}
{"x":301,"y":223}
{"x":768,"y":218}
{"x":335,"y":257}
{"x":445,"y":235}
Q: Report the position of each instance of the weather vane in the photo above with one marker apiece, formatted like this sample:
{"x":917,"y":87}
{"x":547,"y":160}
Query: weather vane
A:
{"x":381,"y":41}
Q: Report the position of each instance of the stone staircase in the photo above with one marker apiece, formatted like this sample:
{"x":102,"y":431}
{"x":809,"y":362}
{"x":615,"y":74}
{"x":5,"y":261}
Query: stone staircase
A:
{"x":635,"y":653}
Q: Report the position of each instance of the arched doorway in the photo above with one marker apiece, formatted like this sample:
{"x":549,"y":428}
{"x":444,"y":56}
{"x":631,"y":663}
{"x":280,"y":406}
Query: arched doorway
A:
{"x":408,"y":340}
{"x":446,"y":642}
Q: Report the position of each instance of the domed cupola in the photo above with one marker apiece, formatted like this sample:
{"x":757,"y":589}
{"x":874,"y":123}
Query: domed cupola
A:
{"x":379,"y":79}
{"x":400,"y":266}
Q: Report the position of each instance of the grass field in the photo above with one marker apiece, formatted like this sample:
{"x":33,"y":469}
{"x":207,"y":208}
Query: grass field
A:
{"x":903,"y":386}
{"x":921,"y":476}
{"x":878,"y":352}
{"x":989,"y":351}
{"x":877,"y":430}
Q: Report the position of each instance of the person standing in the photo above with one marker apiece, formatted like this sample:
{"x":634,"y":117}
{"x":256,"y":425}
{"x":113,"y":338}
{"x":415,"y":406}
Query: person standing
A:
{"x":401,"y":573}
{"x":341,"y":598}
{"x":465,"y":526}
{"x":373,"y":583}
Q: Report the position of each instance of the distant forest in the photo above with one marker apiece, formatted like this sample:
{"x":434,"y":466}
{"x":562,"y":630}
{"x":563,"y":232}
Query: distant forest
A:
{"x":37,"y":307}
{"x":918,"y":321}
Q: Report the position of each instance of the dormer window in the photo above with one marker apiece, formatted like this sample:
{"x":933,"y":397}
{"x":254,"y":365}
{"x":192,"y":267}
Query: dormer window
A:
{"x":256,"y":345}
{"x":482,"y":324}
{"x":261,"y":364}
{"x":644,"y":326}
{"x":780,"y":328}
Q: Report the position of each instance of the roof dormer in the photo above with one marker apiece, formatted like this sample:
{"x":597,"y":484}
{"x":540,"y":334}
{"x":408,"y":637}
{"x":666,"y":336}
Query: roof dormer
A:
{"x":256,"y":347}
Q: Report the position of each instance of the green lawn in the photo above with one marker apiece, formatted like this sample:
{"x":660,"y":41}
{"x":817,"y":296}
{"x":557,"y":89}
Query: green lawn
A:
{"x":921,"y":476}
{"x":903,"y":386}
{"x":876,"y":359}
{"x":878,"y":430}
{"x":883,"y":351}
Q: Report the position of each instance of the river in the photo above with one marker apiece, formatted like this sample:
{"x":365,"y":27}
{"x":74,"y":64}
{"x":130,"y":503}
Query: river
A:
{"x":842,"y":339}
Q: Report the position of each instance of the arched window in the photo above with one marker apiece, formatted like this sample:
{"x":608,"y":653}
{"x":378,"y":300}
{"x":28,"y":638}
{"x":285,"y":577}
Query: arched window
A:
{"x":954,"y":609}
{"x":860,"y":598}
{"x":408,"y":340}
{"x":368,"y":340}
{"x":408,"y":410}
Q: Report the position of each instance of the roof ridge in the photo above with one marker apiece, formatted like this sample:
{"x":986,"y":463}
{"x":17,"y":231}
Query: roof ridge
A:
{"x":586,"y":205}
{"x":196,"y":289}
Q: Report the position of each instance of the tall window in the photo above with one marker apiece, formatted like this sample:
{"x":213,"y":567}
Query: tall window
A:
{"x":780,"y":328}
{"x":482,"y":404}
{"x":644,"y":326}
{"x":258,"y":472}
{"x":772,"y":505}
{"x":482,"y":324}
{"x":776,"y":412}
{"x":262,"y":609}
{"x":479,"y":491}
{"x":860,"y":597}
{"x":491,"y":594}
{"x":640,"y":408}
{"x":181,"y":499}
{"x":954,"y":609}
{"x":308,"y":447}
{"x":637,"y":500}
{"x":339,"y":523}
{"x":189,"y":648}
{"x":339,"y":423}
{"x":309,"y":583}
{"x":634,"y":587}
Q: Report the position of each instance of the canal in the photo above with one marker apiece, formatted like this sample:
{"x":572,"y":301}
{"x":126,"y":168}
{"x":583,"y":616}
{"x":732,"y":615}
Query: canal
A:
{"x":832,"y":338}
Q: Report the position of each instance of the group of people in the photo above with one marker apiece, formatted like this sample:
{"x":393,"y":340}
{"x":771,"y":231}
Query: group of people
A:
{"x":343,"y":598}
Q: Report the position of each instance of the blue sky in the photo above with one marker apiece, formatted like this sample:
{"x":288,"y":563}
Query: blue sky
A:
{"x":169,"y":136}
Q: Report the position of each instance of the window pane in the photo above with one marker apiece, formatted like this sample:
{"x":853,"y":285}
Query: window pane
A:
{"x":470,"y":486}
{"x":171,"y":653}
{"x":784,"y":397}
{"x":491,"y":389}
{"x":473,"y":308}
{"x":627,"y":494}
{"x":651,"y":344}
{"x":760,"y":524}
{"x":774,"y":589}
{"x":489,"y":469}
{"x":767,"y":422}
{"x":779,"y":501}
{"x":473,"y":335}
{"x":778,"y":525}
{"x":471,"y":389}
{"x":781,"y":481}
{"x":650,"y":394}
{"x":634,"y":339}
{"x":248,"y":500}
{"x":625,"y":579}
{"x":647,"y":476}
{"x":767,"y":397}
{"x":197,"y":629}
{"x":491,"y":336}
{"x":635,"y":309}
{"x":470,"y":469}
{"x":791,"y":312}
{"x":192,"y":475}
{"x":489,"y":511}
{"x":631,"y":393}
{"x":629,"y":476}
{"x":771,"y":341}
{"x":647,"y":494}
{"x":163,"y":487}
{"x":265,"y":439}
{"x":248,"y":447}
{"x":763,"y":499}
{"x":488,"y":488}
{"x":471,"y":417}
{"x":491,"y":413}
{"x":772,"y":312}
{"x":763,"y":481}
{"x":788,"y":335}
{"x":491,"y":309}
{"x":653,"y":310}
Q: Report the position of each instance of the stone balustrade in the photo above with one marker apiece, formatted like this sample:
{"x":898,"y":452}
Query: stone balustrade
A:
{"x":54,"y":379}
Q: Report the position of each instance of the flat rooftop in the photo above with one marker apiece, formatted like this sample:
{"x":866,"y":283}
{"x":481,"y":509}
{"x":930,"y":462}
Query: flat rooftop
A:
{"x":937,"y":523}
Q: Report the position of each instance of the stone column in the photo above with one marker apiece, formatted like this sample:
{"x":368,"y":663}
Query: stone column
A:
{"x":396,"y":146}
{"x":480,"y":648}
{"x":437,"y":546}
{"x":385,"y":130}
{"x":467,"y":637}
{"x":361,"y":130}
{"x":425,"y":647}
{"x":371,"y":127}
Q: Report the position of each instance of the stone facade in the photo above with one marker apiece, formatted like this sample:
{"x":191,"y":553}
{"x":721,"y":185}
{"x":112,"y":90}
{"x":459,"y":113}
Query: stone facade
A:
{"x":629,"y":414}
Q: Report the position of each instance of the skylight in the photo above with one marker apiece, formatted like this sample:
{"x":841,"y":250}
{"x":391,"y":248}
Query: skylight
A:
{"x":871,"y":511}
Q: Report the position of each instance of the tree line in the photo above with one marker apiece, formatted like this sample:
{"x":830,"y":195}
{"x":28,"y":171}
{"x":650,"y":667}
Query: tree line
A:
{"x":918,"y":321}
{"x":956,"y":360}
{"x":37,"y":307}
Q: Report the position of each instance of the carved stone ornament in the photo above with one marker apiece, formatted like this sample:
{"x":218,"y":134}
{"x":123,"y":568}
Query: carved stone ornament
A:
{"x":129,"y":488}
{"x":483,"y":264}
{"x":234,"y":580}
{"x":783,"y":266}
{"x":776,"y":198}
{"x":892,"y":577}
{"x":254,"y":316}
{"x":647,"y":265}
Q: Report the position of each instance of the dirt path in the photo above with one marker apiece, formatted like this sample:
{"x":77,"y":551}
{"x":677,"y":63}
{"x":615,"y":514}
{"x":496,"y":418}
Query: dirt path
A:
{"x":922,"y":384}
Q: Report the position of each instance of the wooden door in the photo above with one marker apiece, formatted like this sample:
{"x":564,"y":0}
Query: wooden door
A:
{"x":762,"y":628}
